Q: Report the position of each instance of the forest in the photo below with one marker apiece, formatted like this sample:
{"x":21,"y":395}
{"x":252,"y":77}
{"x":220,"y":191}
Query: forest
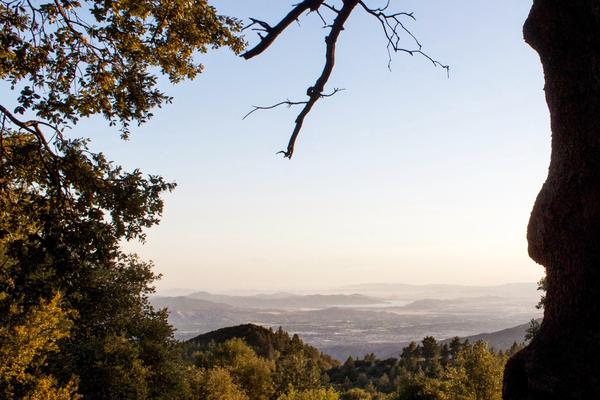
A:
{"x":75,"y":319}
{"x":264,"y":364}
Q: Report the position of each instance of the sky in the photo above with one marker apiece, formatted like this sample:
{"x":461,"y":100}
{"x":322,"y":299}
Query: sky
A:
{"x":406,"y":176}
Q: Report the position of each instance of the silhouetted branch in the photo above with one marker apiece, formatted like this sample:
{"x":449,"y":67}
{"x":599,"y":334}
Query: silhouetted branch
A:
{"x":314,"y":92}
{"x":393,"y":28}
{"x":272,"y":32}
{"x":287,"y":103}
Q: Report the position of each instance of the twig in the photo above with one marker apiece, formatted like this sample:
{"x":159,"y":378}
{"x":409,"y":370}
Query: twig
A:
{"x":287,"y":103}
{"x":392,"y":25}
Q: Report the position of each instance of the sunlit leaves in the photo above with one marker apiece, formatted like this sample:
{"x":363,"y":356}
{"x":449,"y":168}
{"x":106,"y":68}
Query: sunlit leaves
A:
{"x":27,"y":336}
{"x":476,"y":374}
{"x":78,"y":59}
{"x":71,"y":302}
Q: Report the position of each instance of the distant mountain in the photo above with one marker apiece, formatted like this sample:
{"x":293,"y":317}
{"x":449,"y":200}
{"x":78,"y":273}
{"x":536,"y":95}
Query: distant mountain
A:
{"x":502,"y":340}
{"x":185,"y":304}
{"x":173,"y":292}
{"x":442,"y":291}
{"x":288,"y":301}
{"x":277,"y":295}
{"x":265,"y":342}
{"x":191,"y":316}
{"x":436,"y":304}
{"x":488,"y":304}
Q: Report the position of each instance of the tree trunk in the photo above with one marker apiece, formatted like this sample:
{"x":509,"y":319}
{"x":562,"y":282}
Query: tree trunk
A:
{"x":563,"y":360}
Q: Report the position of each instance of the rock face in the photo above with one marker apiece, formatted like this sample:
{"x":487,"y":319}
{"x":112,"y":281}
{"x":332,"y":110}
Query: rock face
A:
{"x":563,"y":361}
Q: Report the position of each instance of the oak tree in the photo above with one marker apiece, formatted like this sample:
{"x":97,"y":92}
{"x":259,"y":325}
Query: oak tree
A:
{"x":72,"y":305}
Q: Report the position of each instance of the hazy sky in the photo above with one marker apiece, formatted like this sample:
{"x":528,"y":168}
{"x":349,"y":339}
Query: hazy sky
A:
{"x":407,"y":176}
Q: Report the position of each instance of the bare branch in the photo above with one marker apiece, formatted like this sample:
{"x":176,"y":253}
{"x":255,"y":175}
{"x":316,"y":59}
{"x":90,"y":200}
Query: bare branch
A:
{"x":272,"y":32}
{"x":392,"y":26}
{"x":330,"y":7}
{"x":322,"y":18}
{"x":314,"y":92}
{"x":391,"y":23}
{"x":288,"y":103}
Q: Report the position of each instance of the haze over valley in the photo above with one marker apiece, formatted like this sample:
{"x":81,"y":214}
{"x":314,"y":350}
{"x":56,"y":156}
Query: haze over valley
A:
{"x":359,"y":319}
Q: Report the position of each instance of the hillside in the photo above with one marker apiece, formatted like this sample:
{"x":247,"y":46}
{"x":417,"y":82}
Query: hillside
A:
{"x":502,"y":340}
{"x":293,"y":367}
{"x":265,"y":342}
{"x":191,"y":316}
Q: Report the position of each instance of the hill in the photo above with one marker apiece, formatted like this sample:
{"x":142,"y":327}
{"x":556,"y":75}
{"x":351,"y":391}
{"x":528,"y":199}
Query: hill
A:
{"x":191,"y":316}
{"x":502,"y":340}
{"x":265,"y":342}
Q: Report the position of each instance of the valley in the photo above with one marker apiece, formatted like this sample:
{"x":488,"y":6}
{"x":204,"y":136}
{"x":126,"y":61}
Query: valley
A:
{"x":379,"y":319}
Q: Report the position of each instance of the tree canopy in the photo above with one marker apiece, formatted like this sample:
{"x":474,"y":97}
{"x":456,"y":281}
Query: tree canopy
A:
{"x":72,"y":59}
{"x":74,"y":311}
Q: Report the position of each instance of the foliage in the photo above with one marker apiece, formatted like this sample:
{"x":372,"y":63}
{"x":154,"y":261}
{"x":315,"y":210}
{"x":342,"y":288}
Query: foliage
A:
{"x":541,"y":287}
{"x":471,"y":371}
{"x":26,"y":339}
{"x":74,"y":310}
{"x":73,"y":59}
{"x":252,"y":373}
{"x":535,"y":325}
{"x":216,"y":384}
{"x":31,"y":328}
{"x":60,"y":235}
{"x":311,"y":394}
{"x":532,"y":329}
{"x":420,"y":373}
{"x":291,"y":374}
{"x":292,"y":363}
{"x":296,"y":369}
{"x":476,"y":374}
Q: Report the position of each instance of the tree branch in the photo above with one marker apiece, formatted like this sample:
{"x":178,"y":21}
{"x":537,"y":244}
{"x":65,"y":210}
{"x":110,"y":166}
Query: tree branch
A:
{"x":315,"y":92}
{"x":274,"y":31}
{"x":43,"y":149}
{"x":287,"y":103}
{"x":391,"y":23}
{"x":32,"y":127}
{"x":392,"y":26}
